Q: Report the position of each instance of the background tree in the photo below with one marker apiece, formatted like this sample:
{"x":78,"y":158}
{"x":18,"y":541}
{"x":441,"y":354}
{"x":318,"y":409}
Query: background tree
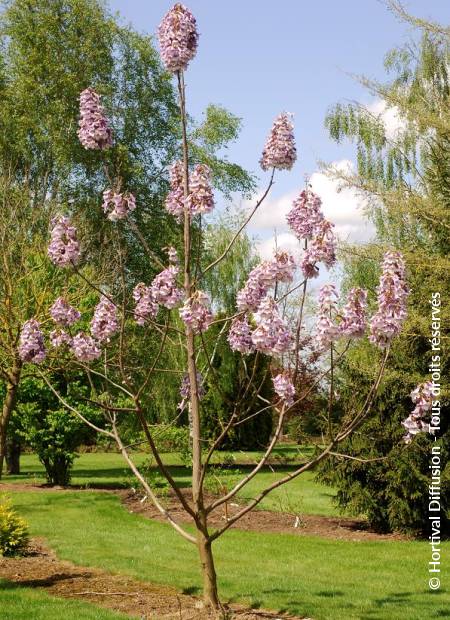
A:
{"x":406,"y":183}
{"x":50,"y":52}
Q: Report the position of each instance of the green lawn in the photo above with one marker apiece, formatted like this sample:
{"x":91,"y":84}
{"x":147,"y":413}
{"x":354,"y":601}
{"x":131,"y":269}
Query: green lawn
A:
{"x":17,"y":603}
{"x":302,"y":495}
{"x":324,"y":579}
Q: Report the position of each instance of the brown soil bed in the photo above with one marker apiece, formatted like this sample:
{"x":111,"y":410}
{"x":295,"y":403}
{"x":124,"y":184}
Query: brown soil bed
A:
{"x":40,"y":568}
{"x":340,"y":528}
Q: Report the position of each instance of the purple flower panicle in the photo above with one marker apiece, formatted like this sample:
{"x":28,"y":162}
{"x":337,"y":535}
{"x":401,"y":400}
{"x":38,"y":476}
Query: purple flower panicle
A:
{"x":117,"y":206}
{"x":279,"y":151}
{"x":63,"y":313}
{"x":178,"y":38}
{"x":284,"y":388}
{"x":201,"y":197}
{"x":240,"y":336}
{"x":353,"y":314}
{"x":63,"y":249}
{"x":31,"y":342}
{"x":85,"y":348}
{"x":305,"y":215}
{"x":94,"y":131}
{"x":392,"y":295}
{"x":105,"y":322}
{"x":422,"y":397}
{"x":146,"y":307}
{"x":196,"y":312}
{"x":272,"y":335}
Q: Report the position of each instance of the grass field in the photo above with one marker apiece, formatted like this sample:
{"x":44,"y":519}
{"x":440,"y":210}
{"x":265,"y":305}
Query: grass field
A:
{"x":322,"y":578}
{"x":18,"y":603}
{"x":303,"y":495}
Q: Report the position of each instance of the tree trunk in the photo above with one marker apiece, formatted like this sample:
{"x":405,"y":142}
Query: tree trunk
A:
{"x":210,"y":594}
{"x":13,"y":456}
{"x":8,"y":407}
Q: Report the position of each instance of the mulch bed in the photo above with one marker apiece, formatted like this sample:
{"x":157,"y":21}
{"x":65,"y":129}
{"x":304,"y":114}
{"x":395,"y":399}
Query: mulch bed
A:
{"x":338,"y":528}
{"x":40,"y":568}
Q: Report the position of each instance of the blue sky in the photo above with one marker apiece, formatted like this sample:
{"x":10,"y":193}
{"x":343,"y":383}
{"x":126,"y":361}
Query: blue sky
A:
{"x":260,"y":57}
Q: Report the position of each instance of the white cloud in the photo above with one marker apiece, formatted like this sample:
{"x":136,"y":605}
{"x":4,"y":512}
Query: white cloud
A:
{"x":393,"y":122}
{"x":343,"y":206}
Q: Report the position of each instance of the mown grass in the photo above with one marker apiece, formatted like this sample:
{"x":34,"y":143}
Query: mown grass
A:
{"x":321,"y":578}
{"x":18,"y":603}
{"x":301,"y":496}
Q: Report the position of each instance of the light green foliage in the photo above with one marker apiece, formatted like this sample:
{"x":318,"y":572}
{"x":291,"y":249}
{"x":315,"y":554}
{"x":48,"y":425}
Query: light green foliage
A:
{"x":13,"y":530}
{"x":208,"y":143}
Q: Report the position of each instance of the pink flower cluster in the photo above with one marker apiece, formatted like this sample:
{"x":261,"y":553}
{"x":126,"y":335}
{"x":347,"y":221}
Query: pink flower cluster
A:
{"x":326,"y":329}
{"x":105,"y":322}
{"x":272,"y":335}
{"x":175,"y":198}
{"x":85,"y":348}
{"x":201,"y":197}
{"x":279,"y":151}
{"x":31,"y":343}
{"x":63,"y":249}
{"x":196,"y":312}
{"x":59,"y":337}
{"x":353,"y":314}
{"x":240,"y":336}
{"x":422,"y":397}
{"x":280,"y":269}
{"x":392,"y":295}
{"x":162,"y":291}
{"x":63,"y":313}
{"x":117,"y":206}
{"x":284,"y":388}
{"x":164,"y":288}
{"x":305,"y":215}
{"x":322,"y":249}
{"x":178,"y":38}
{"x":94,"y":131}
{"x":146,"y":308}
{"x":185,"y":389}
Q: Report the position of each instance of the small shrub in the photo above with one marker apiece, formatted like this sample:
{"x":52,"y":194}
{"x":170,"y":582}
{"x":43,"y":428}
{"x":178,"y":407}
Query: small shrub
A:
{"x":13,"y":530}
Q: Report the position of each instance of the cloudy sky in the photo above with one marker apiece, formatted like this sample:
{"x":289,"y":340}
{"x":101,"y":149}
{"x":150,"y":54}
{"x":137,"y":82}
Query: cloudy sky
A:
{"x":260,"y":57}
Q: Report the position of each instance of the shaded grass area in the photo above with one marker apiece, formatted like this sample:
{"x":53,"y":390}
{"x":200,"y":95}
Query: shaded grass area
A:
{"x":321,"y":578}
{"x":17,"y":603}
{"x":107,"y":470}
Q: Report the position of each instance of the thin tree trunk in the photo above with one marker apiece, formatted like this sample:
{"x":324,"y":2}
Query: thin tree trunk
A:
{"x":210,"y":593}
{"x":8,"y":407}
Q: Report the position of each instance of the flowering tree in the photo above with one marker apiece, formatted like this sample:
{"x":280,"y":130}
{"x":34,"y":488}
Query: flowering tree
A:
{"x":175,"y":308}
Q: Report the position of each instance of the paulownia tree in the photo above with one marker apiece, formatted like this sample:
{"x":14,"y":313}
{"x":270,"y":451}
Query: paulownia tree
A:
{"x":174,"y":309}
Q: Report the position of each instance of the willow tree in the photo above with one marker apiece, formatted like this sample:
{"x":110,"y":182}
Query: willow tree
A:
{"x":174,"y":308}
